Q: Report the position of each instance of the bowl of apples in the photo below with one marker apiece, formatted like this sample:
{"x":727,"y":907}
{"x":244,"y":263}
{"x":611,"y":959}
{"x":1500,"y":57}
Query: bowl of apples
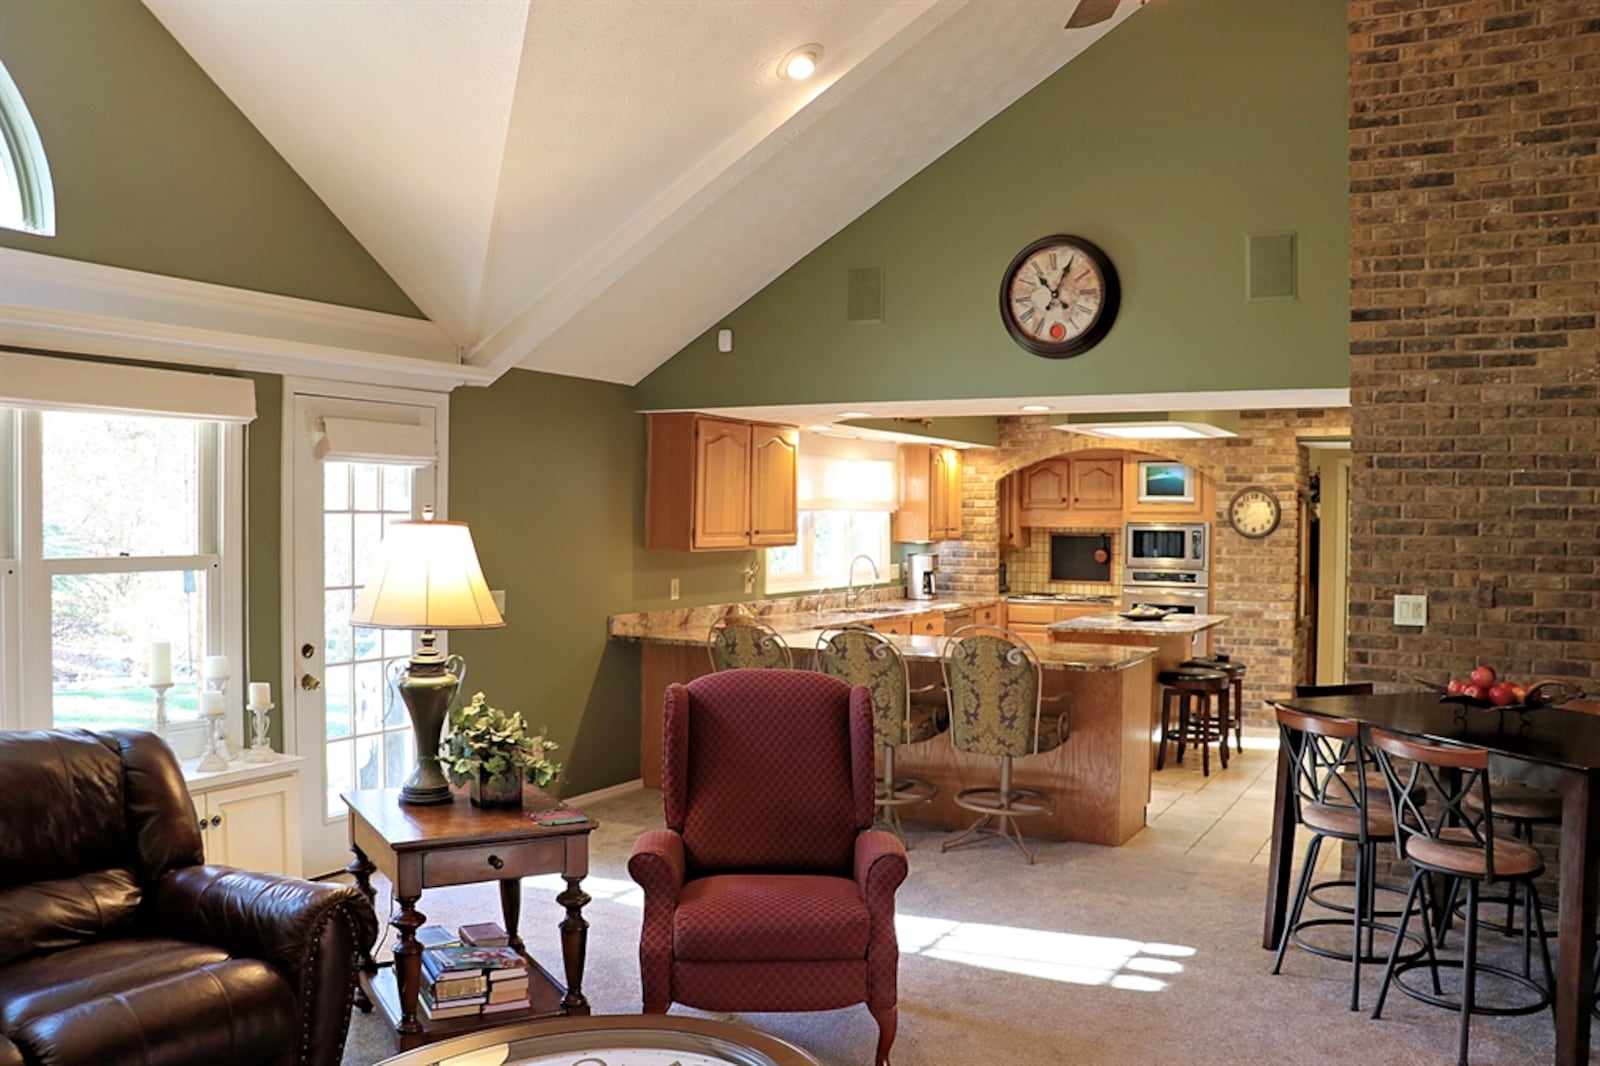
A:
{"x":1483,"y":687}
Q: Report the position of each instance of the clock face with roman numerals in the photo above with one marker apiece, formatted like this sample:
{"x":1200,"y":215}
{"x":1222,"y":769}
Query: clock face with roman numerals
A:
{"x":1059,"y":296}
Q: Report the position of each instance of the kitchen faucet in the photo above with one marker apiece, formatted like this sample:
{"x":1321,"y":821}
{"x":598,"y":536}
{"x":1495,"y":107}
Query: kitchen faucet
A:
{"x":852,"y":595}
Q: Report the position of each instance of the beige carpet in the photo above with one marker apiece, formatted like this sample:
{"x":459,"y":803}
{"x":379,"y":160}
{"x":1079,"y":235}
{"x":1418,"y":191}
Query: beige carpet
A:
{"x":1094,"y":955}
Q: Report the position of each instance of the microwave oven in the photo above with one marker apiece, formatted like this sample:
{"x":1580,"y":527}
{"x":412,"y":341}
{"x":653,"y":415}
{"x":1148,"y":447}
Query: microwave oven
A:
{"x":1166,"y":545}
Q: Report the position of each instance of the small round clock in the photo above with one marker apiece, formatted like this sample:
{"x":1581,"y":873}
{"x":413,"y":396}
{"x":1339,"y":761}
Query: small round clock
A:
{"x":1059,"y":296}
{"x":1254,"y":511}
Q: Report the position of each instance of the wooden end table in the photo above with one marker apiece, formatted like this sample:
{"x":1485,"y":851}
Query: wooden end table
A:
{"x":459,"y":844}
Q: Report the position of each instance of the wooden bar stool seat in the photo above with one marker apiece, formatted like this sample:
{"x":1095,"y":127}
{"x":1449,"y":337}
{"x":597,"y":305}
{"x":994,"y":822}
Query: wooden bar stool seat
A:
{"x":1190,"y":690}
{"x":1235,"y":671}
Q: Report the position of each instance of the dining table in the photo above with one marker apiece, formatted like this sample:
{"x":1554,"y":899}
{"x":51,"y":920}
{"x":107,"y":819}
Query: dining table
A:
{"x":1557,"y":748}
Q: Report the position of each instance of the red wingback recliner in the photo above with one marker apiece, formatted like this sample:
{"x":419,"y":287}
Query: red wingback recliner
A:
{"x":769,"y":890}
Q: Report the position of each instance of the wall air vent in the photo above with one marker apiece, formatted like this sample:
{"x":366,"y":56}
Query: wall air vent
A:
{"x":864,"y":294}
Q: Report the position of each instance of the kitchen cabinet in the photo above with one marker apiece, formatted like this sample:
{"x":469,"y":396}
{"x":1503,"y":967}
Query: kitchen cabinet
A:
{"x":990,"y":614}
{"x":253,"y":824}
{"x":1013,"y":534}
{"x":720,"y":484}
{"x":1072,"y":491}
{"x":1097,"y":484}
{"x":930,"y":494}
{"x":1031,"y":621}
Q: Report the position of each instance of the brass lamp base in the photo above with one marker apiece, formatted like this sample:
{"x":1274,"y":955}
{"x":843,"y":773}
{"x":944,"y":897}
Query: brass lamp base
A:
{"x":428,"y":687}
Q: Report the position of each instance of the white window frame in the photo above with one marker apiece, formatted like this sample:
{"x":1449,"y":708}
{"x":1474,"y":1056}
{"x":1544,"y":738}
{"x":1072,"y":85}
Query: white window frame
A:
{"x":809,"y":580}
{"x":25,"y":600}
{"x":22,"y":157}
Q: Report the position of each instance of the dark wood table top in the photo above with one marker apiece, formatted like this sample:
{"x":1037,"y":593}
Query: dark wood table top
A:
{"x":1554,"y":736}
{"x":407,"y":827}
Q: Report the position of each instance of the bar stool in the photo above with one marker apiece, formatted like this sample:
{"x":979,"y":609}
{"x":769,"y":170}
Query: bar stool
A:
{"x":995,"y":689}
{"x":859,"y":656}
{"x":1522,"y":807}
{"x":1235,"y":671}
{"x":1458,"y":843}
{"x":738,"y":643}
{"x":1191,"y":688}
{"x":1333,"y":803}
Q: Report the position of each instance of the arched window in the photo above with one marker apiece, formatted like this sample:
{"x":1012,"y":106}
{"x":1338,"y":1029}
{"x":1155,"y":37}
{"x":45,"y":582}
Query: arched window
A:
{"x":27,"y":199}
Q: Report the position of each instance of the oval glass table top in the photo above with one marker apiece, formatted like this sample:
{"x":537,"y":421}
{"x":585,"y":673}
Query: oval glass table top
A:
{"x":610,"y":1040}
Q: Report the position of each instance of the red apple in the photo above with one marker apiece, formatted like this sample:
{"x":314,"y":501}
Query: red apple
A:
{"x":1456,"y":687}
{"x":1502,"y":694}
{"x":1477,"y":692}
{"x":1482,"y":676}
{"x":1519,"y":693}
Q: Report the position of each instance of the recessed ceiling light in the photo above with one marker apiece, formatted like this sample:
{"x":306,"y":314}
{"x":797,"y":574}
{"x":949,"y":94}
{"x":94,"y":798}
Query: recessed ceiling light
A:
{"x":855,"y":414}
{"x":801,"y":63}
{"x":1035,"y":408}
{"x":818,"y":429}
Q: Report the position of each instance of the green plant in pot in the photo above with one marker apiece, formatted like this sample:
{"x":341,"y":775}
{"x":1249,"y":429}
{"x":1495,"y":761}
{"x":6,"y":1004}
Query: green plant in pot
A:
{"x":492,"y":753}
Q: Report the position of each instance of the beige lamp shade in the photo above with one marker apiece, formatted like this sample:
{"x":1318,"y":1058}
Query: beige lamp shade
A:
{"x":426,"y":576}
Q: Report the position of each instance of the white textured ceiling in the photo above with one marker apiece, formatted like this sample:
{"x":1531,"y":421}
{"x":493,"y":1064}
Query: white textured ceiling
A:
{"x":584,"y":186}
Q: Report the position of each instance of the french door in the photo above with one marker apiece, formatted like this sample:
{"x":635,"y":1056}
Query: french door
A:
{"x":357,"y":463}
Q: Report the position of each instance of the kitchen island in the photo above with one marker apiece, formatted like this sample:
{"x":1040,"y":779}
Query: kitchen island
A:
{"x":1173,"y":639}
{"x":1100,"y":777}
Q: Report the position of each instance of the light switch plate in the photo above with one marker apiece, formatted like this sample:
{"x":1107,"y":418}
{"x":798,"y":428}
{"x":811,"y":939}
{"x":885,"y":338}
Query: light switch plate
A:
{"x":894,"y":571}
{"x":674,"y":592}
{"x":1411,"y":610}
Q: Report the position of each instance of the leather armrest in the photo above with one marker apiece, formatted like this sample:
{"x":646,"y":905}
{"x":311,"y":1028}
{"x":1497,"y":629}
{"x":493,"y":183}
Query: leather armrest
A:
{"x":313,"y":933}
{"x":10,"y":1054}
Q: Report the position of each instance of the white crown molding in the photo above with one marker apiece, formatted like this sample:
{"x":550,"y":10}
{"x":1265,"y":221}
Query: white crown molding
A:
{"x":53,"y":304}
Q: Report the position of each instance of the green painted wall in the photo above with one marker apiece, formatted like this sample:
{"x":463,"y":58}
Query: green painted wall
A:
{"x":545,"y":469}
{"x":264,"y":593}
{"x":1190,"y":126}
{"x":155,"y":170}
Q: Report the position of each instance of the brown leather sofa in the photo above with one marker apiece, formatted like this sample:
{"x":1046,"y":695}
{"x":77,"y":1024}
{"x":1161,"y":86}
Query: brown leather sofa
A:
{"x":117,"y":945}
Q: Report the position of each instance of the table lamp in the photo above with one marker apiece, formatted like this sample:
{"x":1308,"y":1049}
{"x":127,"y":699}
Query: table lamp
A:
{"x":427,"y":577}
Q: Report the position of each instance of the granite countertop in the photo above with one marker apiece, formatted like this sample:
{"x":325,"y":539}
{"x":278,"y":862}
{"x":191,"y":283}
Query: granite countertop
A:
{"x":793,"y":614}
{"x":1111,"y":622}
{"x":800,"y":632}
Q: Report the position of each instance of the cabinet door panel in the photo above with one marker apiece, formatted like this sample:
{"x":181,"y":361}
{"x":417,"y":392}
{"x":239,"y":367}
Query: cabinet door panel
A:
{"x":722,"y":484}
{"x":946,"y":504}
{"x":775,"y":452}
{"x":254,"y":826}
{"x":1097,"y":484}
{"x":1046,"y":484}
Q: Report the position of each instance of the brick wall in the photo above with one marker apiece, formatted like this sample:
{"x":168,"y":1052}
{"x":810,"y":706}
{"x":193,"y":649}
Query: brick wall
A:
{"x":1254,"y":582}
{"x":1475,"y":359}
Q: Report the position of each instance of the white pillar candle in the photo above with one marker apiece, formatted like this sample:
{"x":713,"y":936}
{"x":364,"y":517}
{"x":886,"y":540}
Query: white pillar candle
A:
{"x":215,"y":668}
{"x":260,"y":694}
{"x":161,"y":663}
{"x":211,"y":704}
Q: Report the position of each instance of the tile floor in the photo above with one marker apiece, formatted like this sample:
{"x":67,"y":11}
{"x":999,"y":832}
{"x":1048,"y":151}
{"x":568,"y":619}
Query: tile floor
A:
{"x":1226,"y":816}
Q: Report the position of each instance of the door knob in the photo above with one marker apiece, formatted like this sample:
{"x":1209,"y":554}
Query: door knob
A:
{"x":310,"y":682}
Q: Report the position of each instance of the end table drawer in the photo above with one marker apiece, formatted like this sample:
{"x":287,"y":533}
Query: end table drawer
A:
{"x":493,"y":862}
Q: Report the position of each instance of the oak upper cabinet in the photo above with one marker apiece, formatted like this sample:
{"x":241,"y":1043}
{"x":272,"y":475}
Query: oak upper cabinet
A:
{"x":1047,"y":484}
{"x":930,"y":494}
{"x":774,"y":460}
{"x":1013,"y":534}
{"x":719,"y":484}
{"x":1097,"y":484}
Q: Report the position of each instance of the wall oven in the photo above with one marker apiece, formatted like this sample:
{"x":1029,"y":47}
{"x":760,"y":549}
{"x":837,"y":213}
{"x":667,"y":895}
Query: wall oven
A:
{"x":1166,"y":546}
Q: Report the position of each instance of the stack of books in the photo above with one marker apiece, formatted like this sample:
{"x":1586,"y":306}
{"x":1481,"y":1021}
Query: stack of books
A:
{"x":463,"y":980}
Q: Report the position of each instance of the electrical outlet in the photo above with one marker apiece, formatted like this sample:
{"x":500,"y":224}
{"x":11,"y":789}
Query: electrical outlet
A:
{"x":894,"y":571}
{"x":674,"y":593}
{"x":1411,"y":610}
{"x":1484,"y":595}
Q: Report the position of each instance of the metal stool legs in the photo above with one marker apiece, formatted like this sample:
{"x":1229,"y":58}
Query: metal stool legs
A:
{"x":999,"y":808}
{"x":895,"y":792}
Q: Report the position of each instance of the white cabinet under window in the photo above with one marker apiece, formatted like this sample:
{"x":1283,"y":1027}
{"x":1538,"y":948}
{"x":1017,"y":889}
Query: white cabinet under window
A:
{"x":250,"y":815}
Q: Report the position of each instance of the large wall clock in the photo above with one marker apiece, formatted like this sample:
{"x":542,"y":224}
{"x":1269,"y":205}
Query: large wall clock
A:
{"x":1254,"y":511}
{"x":1059,"y":296}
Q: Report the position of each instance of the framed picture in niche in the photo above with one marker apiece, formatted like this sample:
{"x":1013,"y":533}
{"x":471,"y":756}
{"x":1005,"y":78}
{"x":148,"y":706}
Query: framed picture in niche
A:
{"x":1165,"y":482}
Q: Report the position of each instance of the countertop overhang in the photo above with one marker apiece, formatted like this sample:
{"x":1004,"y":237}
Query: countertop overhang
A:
{"x":1111,"y":622}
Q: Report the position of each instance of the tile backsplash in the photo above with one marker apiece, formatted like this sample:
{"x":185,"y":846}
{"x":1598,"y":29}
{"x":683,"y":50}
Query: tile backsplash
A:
{"x":1028,"y":569}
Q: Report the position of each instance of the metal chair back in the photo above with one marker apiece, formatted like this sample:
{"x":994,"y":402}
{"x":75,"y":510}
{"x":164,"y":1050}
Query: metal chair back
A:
{"x":994,"y":683}
{"x":859,"y":656}
{"x":1453,"y":775}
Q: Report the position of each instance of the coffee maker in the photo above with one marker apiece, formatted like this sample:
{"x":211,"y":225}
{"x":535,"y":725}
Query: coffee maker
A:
{"x":921,"y":582}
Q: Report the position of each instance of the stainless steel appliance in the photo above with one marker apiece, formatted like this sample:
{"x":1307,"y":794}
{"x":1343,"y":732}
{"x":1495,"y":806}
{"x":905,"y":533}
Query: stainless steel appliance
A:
{"x":1178,"y":598}
{"x":921,"y":580}
{"x":1166,"y":546}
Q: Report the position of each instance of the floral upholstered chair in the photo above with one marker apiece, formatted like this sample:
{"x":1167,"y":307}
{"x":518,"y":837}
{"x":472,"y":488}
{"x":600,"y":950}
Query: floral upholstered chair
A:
{"x":737,"y":643}
{"x":995,"y":687}
{"x":768,"y":889}
{"x":857,"y":655}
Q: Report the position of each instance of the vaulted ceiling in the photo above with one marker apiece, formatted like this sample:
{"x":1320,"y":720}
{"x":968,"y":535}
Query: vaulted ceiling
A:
{"x":585,"y":186}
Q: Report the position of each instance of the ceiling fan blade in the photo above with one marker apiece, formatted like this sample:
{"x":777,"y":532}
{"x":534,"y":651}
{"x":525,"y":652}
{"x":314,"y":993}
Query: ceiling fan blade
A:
{"x":1090,"y":12}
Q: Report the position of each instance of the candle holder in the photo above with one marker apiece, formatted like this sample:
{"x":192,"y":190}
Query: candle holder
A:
{"x":161,"y":706}
{"x":214,"y":757}
{"x":260,"y":749}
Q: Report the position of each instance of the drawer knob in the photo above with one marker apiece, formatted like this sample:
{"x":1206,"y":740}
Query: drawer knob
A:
{"x":496,"y":861}
{"x":216,"y":819}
